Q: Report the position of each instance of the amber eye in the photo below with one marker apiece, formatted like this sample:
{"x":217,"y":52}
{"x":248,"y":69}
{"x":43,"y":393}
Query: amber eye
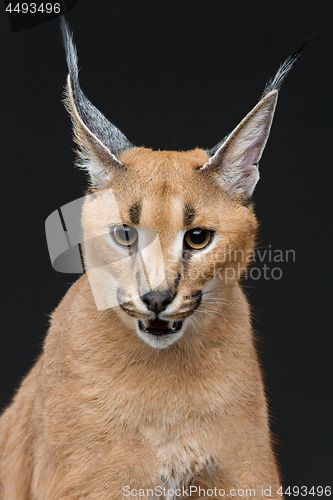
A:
{"x":197,"y":239}
{"x":124,"y":235}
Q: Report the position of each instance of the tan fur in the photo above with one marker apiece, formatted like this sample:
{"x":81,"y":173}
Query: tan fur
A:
{"x":102,"y":409}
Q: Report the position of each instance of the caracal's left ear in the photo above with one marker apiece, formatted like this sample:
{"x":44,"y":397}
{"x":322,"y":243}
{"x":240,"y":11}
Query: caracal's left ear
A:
{"x":236,"y":160}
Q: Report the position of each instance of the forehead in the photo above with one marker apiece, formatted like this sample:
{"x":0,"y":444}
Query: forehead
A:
{"x":164,"y":168}
{"x":162,"y":184}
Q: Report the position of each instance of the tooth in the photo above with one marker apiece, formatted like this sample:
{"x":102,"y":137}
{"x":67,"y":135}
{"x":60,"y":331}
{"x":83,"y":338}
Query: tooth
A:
{"x":145,"y":322}
{"x":170,"y":323}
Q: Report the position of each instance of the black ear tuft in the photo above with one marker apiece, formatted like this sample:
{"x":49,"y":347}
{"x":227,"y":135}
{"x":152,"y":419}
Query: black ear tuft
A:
{"x":276,"y":82}
{"x":70,"y":49}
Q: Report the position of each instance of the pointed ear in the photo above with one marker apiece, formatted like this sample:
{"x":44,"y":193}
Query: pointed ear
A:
{"x":100,"y":142}
{"x":235,"y":161}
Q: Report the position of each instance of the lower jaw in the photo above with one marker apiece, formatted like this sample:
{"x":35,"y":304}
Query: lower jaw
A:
{"x":160,"y":328}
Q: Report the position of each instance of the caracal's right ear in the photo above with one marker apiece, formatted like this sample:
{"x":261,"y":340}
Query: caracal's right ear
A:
{"x":100,"y":142}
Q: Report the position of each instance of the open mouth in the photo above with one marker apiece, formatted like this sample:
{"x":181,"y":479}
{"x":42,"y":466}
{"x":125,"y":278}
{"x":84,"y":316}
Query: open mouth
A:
{"x":159,"y":327}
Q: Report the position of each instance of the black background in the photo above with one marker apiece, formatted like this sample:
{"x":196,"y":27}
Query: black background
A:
{"x":176,"y":75}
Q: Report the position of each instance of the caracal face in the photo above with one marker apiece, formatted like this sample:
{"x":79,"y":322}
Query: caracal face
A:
{"x":158,"y":238}
{"x":160,"y":227}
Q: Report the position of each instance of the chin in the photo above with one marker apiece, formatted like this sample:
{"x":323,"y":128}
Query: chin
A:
{"x":160,"y":338}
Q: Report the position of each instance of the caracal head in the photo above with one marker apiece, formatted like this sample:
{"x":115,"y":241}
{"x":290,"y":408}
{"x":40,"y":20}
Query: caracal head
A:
{"x":166,"y":233}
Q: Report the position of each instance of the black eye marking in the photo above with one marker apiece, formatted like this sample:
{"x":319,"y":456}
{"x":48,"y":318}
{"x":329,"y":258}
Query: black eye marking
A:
{"x":177,"y":280}
{"x":135,"y":212}
{"x":189,"y":214}
{"x":186,"y":256}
